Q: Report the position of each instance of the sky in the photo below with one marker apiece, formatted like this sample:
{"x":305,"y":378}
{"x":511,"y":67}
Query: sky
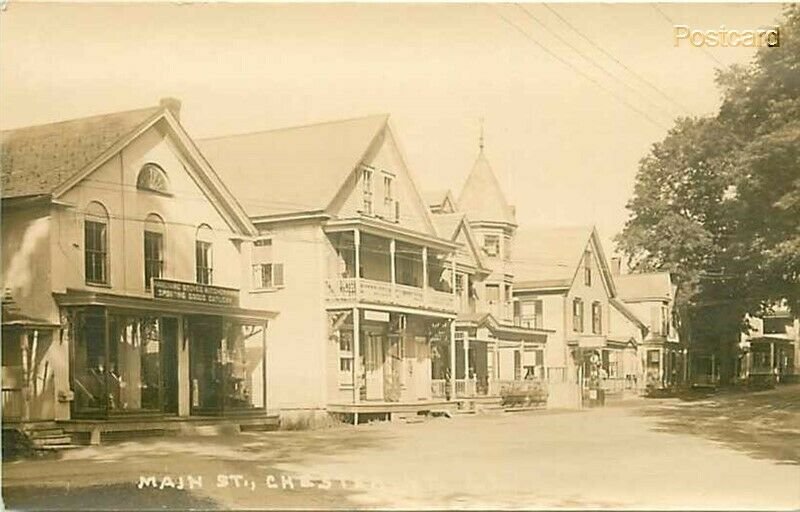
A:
{"x":567,"y":114}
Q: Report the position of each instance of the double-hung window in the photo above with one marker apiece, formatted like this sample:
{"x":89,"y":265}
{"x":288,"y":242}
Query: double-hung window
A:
{"x":95,"y":235}
{"x":577,"y":315}
{"x":204,"y":268}
{"x":153,"y":257}
{"x":531,"y":314}
{"x":267,"y":273}
{"x":366,"y":189}
{"x":597,"y":318}
{"x":587,"y":268}
{"x":153,"y":249}
{"x":345,"y":341}
{"x":388,"y":196}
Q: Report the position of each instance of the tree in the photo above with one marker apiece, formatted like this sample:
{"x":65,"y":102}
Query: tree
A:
{"x":717,"y":202}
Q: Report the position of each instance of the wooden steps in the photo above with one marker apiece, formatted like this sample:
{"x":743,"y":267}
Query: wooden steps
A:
{"x":47,"y":436}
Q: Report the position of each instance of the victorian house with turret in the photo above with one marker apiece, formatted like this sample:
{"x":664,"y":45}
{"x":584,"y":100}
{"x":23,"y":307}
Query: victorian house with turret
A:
{"x":500,"y":342}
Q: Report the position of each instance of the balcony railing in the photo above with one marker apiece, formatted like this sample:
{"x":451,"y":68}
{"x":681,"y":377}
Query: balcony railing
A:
{"x":351,"y":289}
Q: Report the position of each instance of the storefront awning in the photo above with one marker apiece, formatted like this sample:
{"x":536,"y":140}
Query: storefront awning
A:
{"x":140,"y":303}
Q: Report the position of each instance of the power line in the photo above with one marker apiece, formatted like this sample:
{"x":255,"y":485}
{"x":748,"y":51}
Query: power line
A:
{"x":672,"y":22}
{"x":587,"y":58}
{"x":578,"y":71}
{"x":620,"y":63}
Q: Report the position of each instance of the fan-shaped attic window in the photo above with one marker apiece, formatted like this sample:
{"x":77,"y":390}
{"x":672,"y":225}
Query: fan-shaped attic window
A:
{"x":153,"y":178}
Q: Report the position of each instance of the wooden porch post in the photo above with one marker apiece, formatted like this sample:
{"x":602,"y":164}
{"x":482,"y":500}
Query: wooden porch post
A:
{"x":392,"y":262}
{"x":357,"y":243}
{"x":452,"y":382}
{"x":453,"y":278}
{"x":772,"y":356}
{"x":356,"y":358}
{"x":465,"y":344}
{"x":26,"y":378}
{"x":424,"y":269}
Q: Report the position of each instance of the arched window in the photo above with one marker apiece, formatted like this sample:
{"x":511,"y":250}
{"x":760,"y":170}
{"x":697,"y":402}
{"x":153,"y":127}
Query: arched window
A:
{"x":153,"y":249}
{"x":203,"y":247}
{"x":152,"y":177}
{"x":95,"y":236}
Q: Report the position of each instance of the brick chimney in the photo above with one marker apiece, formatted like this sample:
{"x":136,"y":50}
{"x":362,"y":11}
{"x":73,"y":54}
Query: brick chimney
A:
{"x":173,"y":105}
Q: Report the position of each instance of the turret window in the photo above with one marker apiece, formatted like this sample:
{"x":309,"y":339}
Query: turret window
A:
{"x":491,"y":245}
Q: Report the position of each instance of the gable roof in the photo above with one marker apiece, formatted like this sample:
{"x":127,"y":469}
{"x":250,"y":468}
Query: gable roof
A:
{"x":482,"y":198}
{"x":629,"y":314}
{"x":36,"y":160}
{"x":549,"y":257}
{"x":646,"y":286}
{"x":448,"y":226}
{"x":437,"y":199}
{"x":292,"y":170}
{"x":74,"y":149}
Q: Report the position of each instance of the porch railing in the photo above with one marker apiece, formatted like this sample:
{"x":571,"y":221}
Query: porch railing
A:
{"x":350,"y":289}
{"x":13,"y":404}
{"x":438,"y":388}
{"x":465,"y":388}
{"x":613,"y":385}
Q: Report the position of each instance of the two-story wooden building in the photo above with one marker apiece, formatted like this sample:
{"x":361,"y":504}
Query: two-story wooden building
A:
{"x":348,"y":253}
{"x":769,"y":351}
{"x":563,"y":277}
{"x":651,"y":296}
{"x":122,"y":274}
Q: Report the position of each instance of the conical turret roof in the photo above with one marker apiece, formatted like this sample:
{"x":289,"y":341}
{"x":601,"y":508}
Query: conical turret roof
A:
{"x":482,"y":198}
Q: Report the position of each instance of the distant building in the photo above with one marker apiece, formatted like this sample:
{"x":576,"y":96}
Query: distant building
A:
{"x":770,"y":348}
{"x":651,"y":296}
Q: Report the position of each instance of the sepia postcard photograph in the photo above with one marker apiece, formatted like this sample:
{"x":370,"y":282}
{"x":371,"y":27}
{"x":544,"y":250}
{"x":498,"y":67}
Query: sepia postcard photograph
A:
{"x":410,"y":256}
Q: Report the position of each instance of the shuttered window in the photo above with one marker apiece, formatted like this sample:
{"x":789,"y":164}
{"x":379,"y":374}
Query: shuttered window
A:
{"x":267,"y":273}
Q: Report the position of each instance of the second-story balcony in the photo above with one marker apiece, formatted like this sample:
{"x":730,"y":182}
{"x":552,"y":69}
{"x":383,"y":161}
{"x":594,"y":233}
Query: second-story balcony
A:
{"x":375,"y":269}
{"x":351,"y":290}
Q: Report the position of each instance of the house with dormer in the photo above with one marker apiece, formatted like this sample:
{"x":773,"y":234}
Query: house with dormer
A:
{"x":122,"y":278}
{"x":347,"y":250}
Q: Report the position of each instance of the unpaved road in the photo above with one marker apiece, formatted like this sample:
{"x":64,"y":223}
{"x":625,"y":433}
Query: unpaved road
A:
{"x":654,"y":455}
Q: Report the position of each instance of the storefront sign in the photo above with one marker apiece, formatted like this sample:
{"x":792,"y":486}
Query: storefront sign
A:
{"x":376,"y":316}
{"x":193,"y":292}
{"x":591,"y":342}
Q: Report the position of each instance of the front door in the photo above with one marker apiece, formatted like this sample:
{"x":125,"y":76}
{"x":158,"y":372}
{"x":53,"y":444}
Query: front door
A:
{"x":374,"y":365}
{"x":169,"y":364}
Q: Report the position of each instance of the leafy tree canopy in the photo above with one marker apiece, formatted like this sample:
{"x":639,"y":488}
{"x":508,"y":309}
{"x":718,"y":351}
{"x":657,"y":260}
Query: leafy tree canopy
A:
{"x":717,"y":202}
